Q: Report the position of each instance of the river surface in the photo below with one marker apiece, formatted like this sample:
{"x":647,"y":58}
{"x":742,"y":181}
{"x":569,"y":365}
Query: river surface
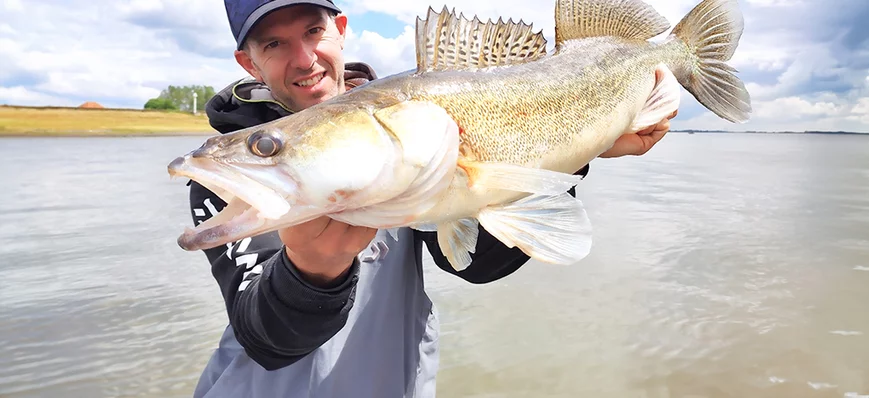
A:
{"x":724,"y":265}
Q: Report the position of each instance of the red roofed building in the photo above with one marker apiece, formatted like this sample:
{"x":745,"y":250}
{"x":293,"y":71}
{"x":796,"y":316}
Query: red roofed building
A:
{"x":91,"y":105}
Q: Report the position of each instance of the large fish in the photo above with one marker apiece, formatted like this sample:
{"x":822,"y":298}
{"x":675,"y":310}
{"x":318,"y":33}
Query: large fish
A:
{"x":486,"y":131}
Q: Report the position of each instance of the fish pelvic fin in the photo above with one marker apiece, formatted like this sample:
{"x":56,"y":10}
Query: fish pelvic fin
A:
{"x":631,"y":19}
{"x":457,"y":240}
{"x":551,"y":228}
{"x":711,"y":33}
{"x":445,"y":41}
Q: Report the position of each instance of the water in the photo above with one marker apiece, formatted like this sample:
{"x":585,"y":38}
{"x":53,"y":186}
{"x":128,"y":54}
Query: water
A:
{"x":723,"y":266}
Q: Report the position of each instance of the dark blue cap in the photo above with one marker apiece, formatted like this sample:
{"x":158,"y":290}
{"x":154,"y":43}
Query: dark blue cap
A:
{"x":244,"y":14}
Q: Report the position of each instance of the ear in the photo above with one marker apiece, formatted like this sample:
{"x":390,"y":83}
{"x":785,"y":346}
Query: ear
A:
{"x":341,"y":24}
{"x":244,"y":59}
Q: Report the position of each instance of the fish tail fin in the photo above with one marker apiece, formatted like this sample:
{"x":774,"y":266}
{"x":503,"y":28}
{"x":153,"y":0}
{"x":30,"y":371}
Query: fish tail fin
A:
{"x":710,"y":33}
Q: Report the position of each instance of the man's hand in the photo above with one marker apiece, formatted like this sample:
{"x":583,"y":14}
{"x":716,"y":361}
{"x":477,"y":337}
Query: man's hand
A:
{"x":640,"y":142}
{"x":323,"y":249}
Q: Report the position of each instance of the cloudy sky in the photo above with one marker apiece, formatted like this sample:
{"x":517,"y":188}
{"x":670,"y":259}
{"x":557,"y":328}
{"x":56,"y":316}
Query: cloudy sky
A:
{"x":805,"y":62}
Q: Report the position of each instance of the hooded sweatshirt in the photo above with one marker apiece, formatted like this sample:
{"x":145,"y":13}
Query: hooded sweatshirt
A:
{"x":372,"y":335}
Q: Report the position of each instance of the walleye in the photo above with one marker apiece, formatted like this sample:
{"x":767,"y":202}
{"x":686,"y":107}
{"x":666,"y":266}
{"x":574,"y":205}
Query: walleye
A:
{"x":486,"y":132}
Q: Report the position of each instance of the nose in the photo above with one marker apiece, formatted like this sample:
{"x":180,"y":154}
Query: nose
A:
{"x":303,"y":57}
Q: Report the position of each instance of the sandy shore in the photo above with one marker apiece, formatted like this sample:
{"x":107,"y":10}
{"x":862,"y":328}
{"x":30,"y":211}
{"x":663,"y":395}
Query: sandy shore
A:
{"x":57,"y":121}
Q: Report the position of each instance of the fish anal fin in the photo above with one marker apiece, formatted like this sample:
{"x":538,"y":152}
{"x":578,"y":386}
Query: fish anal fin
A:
{"x":630,"y":19}
{"x":445,"y":41}
{"x":457,"y":240}
{"x":489,"y":175}
{"x":662,"y":102}
{"x":550,"y":228}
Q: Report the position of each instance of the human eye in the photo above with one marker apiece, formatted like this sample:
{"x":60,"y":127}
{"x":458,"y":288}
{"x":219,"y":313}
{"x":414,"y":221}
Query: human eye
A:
{"x":271,"y":44}
{"x":317,"y":30}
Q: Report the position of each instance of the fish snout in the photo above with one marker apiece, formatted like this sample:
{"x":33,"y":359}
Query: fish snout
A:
{"x":177,"y":165}
{"x":202,"y":152}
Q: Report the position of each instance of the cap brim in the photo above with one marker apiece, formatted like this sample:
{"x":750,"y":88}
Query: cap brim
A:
{"x":266,"y":8}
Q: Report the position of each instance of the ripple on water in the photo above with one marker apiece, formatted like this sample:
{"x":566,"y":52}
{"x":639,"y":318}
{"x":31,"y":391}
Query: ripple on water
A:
{"x":846,"y":333}
{"x":708,"y":277}
{"x":151,"y":345}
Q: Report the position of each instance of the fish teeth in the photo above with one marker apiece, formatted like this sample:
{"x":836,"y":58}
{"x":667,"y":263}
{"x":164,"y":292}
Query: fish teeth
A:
{"x":310,"y":82}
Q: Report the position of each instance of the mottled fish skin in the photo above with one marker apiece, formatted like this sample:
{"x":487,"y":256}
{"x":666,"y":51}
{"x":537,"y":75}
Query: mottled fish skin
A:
{"x":558,"y":106}
{"x":556,"y":113}
{"x":543,"y":114}
{"x":488,"y":130}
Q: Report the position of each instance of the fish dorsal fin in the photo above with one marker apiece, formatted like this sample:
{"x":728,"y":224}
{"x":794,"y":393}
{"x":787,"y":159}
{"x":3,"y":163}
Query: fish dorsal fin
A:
{"x":446,"y":41}
{"x":631,"y":19}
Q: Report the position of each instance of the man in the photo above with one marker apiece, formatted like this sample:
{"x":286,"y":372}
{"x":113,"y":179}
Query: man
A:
{"x":324,"y":309}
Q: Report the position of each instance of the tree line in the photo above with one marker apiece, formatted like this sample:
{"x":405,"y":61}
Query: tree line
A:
{"x":180,"y":98}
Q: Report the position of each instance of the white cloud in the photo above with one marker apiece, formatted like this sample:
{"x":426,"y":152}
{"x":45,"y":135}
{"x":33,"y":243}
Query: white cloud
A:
{"x":23,"y":96}
{"x":386,"y":55}
{"x":777,"y":3}
{"x":12,"y":5}
{"x":823,"y":111}
{"x":74,"y":51}
{"x":121,"y":53}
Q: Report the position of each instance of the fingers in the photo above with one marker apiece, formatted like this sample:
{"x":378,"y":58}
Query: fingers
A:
{"x":662,"y":127}
{"x":651,"y":139}
{"x":640,"y":142}
{"x":647,"y":130}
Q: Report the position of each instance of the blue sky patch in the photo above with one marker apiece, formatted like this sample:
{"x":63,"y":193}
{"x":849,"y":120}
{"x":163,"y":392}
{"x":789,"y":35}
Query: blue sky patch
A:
{"x":384,"y":24}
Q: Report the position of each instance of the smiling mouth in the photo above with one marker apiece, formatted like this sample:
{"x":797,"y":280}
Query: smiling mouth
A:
{"x":312,"y":81}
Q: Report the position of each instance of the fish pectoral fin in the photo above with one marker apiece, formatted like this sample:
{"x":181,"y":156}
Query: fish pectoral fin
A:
{"x":662,"y":102}
{"x":457,"y":240}
{"x":632,"y":19}
{"x":549,"y":228}
{"x":483,"y":176}
{"x":445,"y":40}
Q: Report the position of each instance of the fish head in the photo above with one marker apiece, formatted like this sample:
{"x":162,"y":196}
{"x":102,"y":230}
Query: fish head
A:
{"x":327,"y":159}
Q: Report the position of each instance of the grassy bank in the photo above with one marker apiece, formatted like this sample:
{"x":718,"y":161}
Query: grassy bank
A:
{"x":57,"y":121}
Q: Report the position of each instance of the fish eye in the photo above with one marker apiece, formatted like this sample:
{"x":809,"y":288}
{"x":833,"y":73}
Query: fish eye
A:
{"x":264,"y":144}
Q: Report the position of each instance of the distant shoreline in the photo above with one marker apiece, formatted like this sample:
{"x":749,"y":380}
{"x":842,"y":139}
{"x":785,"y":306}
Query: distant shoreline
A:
{"x":52,"y":121}
{"x":101,"y":133}
{"x":58,"y":121}
{"x":768,"y":132}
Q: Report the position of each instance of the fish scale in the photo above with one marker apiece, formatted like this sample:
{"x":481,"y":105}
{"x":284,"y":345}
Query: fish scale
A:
{"x":486,"y":133}
{"x":529,"y":116}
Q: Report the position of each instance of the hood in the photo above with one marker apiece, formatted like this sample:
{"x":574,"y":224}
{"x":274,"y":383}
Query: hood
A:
{"x":247,"y":102}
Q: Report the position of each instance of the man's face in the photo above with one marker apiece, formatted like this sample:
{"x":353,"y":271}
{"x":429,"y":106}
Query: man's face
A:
{"x":296,"y":51}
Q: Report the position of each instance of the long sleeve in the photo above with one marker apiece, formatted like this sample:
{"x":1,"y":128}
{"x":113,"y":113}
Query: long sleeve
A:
{"x":277,"y":316}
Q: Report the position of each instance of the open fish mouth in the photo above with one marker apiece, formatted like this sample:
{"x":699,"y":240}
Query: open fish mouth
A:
{"x":252,"y":207}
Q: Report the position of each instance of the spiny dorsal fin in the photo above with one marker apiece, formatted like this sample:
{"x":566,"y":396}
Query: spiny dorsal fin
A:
{"x":447,"y":41}
{"x":632,"y":19}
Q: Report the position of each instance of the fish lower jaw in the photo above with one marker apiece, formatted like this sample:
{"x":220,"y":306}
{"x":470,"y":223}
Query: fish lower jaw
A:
{"x":222,"y":228}
{"x":229,"y":184}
